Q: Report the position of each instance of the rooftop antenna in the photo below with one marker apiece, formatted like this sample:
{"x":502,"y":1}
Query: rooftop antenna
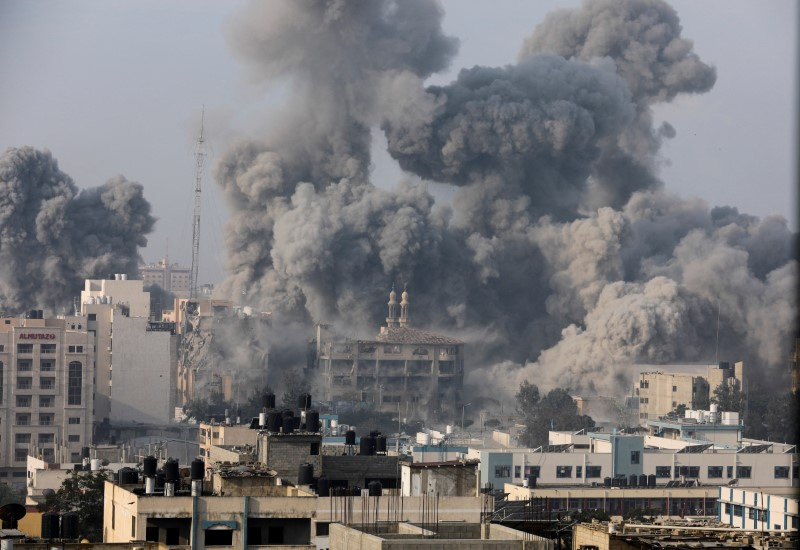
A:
{"x":199,"y":157}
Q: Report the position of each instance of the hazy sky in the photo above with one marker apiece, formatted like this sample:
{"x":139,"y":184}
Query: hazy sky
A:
{"x":116,"y":87}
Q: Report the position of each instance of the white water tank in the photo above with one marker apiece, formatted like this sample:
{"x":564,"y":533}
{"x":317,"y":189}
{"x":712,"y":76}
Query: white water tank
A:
{"x":448,"y":429}
{"x":94,"y":464}
{"x":701,"y":416}
{"x":688,"y":413}
{"x":714,"y":408}
{"x":423,"y":438}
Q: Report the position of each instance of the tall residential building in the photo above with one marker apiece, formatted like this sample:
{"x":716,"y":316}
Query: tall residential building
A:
{"x":136,"y":358}
{"x":661,"y":392}
{"x":171,"y":277}
{"x":402,"y":368}
{"x":725,"y":373}
{"x":46,"y":391}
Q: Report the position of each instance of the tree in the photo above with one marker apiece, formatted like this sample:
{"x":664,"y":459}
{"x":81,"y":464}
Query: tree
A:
{"x":294,"y":385}
{"x":82,"y":492}
{"x":9,"y":494}
{"x":255,"y":403}
{"x":555,"y":411}
{"x":729,"y":396}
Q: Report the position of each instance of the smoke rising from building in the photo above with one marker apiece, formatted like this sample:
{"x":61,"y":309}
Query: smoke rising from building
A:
{"x":53,"y":235}
{"x":562,"y":258}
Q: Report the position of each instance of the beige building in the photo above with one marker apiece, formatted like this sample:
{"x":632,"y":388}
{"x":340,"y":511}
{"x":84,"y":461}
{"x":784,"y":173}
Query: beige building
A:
{"x":725,"y":373}
{"x":402,"y":368}
{"x":661,"y":392}
{"x":46,"y":391}
{"x":171,"y":277}
{"x":217,"y":435}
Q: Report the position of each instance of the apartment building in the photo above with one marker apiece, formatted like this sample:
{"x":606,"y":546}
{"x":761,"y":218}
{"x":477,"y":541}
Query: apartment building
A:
{"x":662,"y":392}
{"x":46,"y":391}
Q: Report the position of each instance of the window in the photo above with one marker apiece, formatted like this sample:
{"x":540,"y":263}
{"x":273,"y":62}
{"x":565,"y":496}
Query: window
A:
{"x":2,"y":346}
{"x":73,"y":438}
{"x":74,"y":419}
{"x":635,"y":457}
{"x":46,"y":419}
{"x":24,"y":401}
{"x":24,"y":365}
{"x":743,"y":472}
{"x":21,"y":439}
{"x":532,"y":471}
{"x":46,"y":438}
{"x":729,"y":471}
{"x":737,"y":510}
{"x":133,"y":527}
{"x":48,"y":348}
{"x":781,"y":472}
{"x":20,"y":455}
{"x":715,"y":472}
{"x":46,"y":401}
{"x":47,"y":365}
{"x":74,"y":383}
{"x":517,"y":471}
{"x":563,"y":471}
{"x":593,"y":471}
{"x":93,"y":317}
{"x":502,"y":471}
{"x":752,"y":513}
{"x":578,"y":471}
{"x":47,"y":383}
{"x":24,"y":348}
{"x":23,"y":419}
{"x":693,"y":471}
{"x":674,"y":388}
{"x":24,"y":383}
{"x":323,"y":529}
{"x":392,"y":349}
{"x":728,"y":508}
{"x":220,"y":537}
{"x":75,"y":349}
{"x":663,"y":471}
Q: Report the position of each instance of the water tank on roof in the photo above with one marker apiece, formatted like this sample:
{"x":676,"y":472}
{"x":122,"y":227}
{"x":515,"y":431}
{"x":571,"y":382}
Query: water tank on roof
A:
{"x":350,"y":437}
{"x":149,"y":466}
{"x":171,"y":471}
{"x":304,"y":401}
{"x":367,"y":446}
{"x":312,"y":421}
{"x":651,"y":480}
{"x":69,"y":526}
{"x":50,"y":526}
{"x":380,"y":444}
{"x":288,"y":423}
{"x":268,"y":400}
{"x":642,"y":480}
{"x":633,"y":480}
{"x":532,"y":482}
{"x":323,"y":487}
{"x":305,"y":474}
{"x":274,"y":421}
{"x":198,"y":469}
{"x":606,"y":482}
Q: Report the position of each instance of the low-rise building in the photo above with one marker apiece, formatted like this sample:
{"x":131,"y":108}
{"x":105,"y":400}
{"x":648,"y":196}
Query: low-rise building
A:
{"x":758,"y":510}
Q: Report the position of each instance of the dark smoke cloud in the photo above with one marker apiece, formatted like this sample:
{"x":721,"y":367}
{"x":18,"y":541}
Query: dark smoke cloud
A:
{"x":53,"y":236}
{"x":561,"y":260}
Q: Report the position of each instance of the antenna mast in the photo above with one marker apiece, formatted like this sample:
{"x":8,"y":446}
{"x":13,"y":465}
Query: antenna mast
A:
{"x":200,"y":158}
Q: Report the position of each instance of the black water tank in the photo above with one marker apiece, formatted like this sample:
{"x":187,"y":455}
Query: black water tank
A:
{"x":354,"y":491}
{"x":532,"y":482}
{"x":50,"y":528}
{"x":128,"y":476}
{"x":606,"y":482}
{"x":69,"y":526}
{"x":374,"y":488}
{"x":651,"y":480}
{"x":268,"y":400}
{"x":297,"y":422}
{"x":161,"y":478}
{"x":623,"y":481}
{"x":374,"y":433}
{"x":149,"y":465}
{"x":312,"y":421}
{"x":304,"y":401}
{"x":633,"y":480}
{"x":305,"y":474}
{"x":367,"y":446}
{"x":274,"y":421}
{"x":77,"y":467}
{"x":380,"y":444}
{"x":197,"y":469}
{"x":171,"y":471}
{"x":288,"y":423}
{"x":323,"y":487}
{"x":85,"y":452}
{"x":642,"y":480}
{"x":350,"y":437}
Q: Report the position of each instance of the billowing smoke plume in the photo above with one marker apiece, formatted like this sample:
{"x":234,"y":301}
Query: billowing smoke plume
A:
{"x":53,"y":236}
{"x":562,"y":258}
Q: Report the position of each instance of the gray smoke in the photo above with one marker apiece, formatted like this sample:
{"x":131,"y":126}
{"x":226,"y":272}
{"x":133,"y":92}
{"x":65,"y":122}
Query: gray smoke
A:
{"x":561,"y":260}
{"x":53,"y":235}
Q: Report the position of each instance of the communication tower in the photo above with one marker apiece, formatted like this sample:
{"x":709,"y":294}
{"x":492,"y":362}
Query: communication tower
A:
{"x":200,"y":158}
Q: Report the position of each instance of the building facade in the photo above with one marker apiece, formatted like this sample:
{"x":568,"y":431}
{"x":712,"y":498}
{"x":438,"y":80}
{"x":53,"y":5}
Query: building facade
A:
{"x":403,"y":369}
{"x":757,"y":510}
{"x":662,"y":392}
{"x":171,"y":277}
{"x":46,"y":391}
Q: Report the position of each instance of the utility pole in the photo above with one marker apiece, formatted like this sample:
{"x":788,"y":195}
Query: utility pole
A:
{"x":200,"y":158}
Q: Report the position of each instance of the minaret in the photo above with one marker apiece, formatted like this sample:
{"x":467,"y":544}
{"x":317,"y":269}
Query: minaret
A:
{"x":404,"y":308}
{"x":391,"y":320}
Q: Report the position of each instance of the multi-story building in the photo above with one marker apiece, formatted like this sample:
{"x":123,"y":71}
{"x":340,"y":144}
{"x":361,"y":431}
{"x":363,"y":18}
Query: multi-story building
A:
{"x":212,"y":434}
{"x":402,"y":369}
{"x":171,"y":277}
{"x":46,"y":391}
{"x":662,"y":392}
{"x":725,"y":373}
{"x":136,"y":358}
{"x":757,"y":511}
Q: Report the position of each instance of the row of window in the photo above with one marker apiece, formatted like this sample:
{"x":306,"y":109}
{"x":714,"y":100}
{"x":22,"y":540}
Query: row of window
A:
{"x":45,"y":349}
{"x":45,"y":419}
{"x":45,"y":383}
{"x":713,"y":472}
{"x":45,"y":365}
{"x":26,"y":401}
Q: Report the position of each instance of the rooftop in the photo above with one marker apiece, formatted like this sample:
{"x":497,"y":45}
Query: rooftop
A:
{"x":406,"y":335}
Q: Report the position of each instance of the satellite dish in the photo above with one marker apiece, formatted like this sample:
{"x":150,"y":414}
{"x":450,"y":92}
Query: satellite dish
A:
{"x":11,"y":513}
{"x":48,"y":492}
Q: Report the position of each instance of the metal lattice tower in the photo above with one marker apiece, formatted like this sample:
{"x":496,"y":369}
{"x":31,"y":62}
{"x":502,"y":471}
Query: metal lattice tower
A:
{"x":200,"y":158}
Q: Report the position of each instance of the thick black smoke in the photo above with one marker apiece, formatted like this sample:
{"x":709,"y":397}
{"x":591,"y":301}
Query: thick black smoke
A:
{"x":53,"y":236}
{"x":562,"y":259}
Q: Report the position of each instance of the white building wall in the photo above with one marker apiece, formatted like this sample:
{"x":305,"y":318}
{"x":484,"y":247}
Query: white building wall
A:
{"x":143,"y":373}
{"x":757,"y":510}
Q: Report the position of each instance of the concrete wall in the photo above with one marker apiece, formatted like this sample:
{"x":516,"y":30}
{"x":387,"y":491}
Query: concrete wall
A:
{"x":357,"y":470}
{"x":446,"y":480}
{"x":143,"y":373}
{"x":285,"y":452}
{"x":596,"y":535}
